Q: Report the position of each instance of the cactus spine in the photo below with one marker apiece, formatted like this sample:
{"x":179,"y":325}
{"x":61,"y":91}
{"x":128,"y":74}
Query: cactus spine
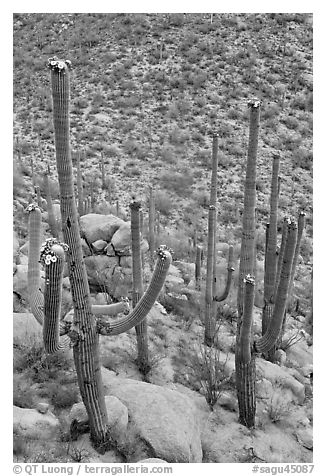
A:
{"x":85,"y":329}
{"x":138,"y":291}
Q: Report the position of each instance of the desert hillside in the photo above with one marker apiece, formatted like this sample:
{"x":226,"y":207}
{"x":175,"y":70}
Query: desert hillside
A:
{"x":148,"y":92}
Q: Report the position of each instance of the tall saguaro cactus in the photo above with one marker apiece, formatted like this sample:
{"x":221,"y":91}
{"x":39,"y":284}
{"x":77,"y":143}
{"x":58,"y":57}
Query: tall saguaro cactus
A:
{"x":245,"y":368}
{"x":85,"y":328}
{"x":247,"y":253}
{"x":138,"y":290}
{"x":270,"y":252}
{"x":211,"y":298}
{"x":151,"y":223}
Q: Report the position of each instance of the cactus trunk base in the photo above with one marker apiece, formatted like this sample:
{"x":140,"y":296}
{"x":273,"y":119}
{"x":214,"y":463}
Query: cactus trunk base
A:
{"x":88,"y":369}
{"x":246,"y":383}
{"x":142,"y":348}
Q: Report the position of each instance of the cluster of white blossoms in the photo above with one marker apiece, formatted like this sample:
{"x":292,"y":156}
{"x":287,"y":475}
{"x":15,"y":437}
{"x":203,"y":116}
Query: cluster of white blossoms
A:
{"x":162,"y":251}
{"x":59,"y":65}
{"x":31,"y":207}
{"x":47,"y":255}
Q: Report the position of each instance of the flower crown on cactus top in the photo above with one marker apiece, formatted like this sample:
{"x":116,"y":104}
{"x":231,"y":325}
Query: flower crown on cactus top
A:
{"x":58,"y":65}
{"x":162,"y":250}
{"x":31,"y":207}
{"x":47,"y":254}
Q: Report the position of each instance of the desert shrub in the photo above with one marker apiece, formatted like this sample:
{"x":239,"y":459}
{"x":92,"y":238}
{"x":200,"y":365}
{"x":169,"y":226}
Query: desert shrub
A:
{"x":279,"y":406}
{"x":133,"y":147}
{"x":178,"y":241}
{"x":167,"y":154}
{"x":302,"y":157}
{"x":38,"y":365}
{"x":23,"y":394}
{"x":176,"y":19}
{"x":62,"y":396}
{"x":178,"y":136}
{"x":163,"y":202}
{"x":19,"y":184}
{"x":208,"y":367}
{"x":177,"y":182}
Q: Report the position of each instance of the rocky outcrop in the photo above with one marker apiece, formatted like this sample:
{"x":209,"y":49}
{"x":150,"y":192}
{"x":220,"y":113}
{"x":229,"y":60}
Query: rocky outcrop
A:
{"x":164,"y":421}
{"x":117,"y":416}
{"x":30,"y":423}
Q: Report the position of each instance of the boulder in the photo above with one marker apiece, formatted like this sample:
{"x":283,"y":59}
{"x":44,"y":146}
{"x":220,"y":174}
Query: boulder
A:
{"x":121,"y":240}
{"x":305,"y":437}
{"x":20,"y":285}
{"x":100,"y":268}
{"x":95,"y":227}
{"x":300,"y":354}
{"x":117,"y":416}
{"x":279,"y":376}
{"x":25,"y":327}
{"x":152,"y":460}
{"x":29,"y":423}
{"x":264,"y":389}
{"x":99,"y":245}
{"x":165,"y":420}
{"x":228,"y":401}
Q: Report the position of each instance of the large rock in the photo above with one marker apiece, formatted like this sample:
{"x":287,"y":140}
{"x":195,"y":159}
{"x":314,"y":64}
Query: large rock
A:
{"x":121,"y":241}
{"x":26,"y":327}
{"x":279,"y":376}
{"x":100,"y":268}
{"x":20,"y":281}
{"x":165,"y":420}
{"x":30,"y":423}
{"x":117,"y":416}
{"x":305,"y":437}
{"x":95,"y":227}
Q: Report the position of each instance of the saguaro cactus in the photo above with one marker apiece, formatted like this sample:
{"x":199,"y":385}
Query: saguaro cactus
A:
{"x":85,"y":327}
{"x":151,"y":224}
{"x":270,"y":253}
{"x":245,"y":369}
{"x":245,"y":360}
{"x":81,"y":205}
{"x":51,"y":217}
{"x":247,"y":253}
{"x":211,"y":297}
{"x":52,"y":257}
{"x":137,"y":285}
